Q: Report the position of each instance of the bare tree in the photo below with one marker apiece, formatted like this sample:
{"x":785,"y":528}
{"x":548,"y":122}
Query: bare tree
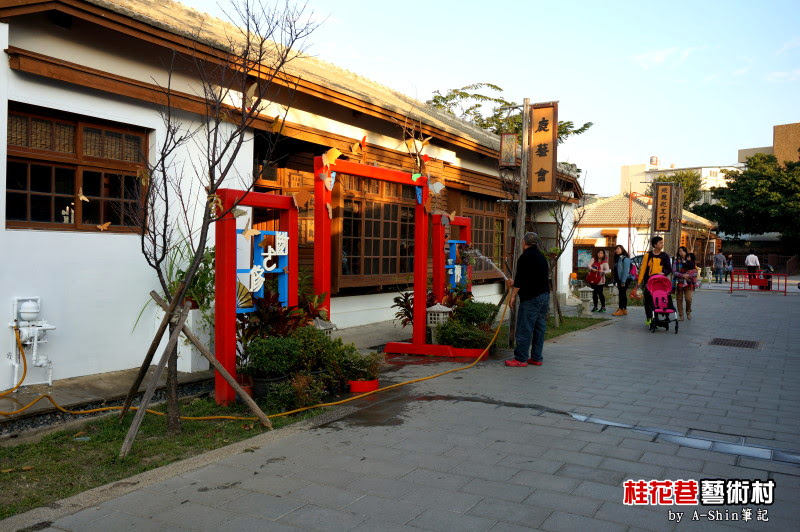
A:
{"x":237,"y":86}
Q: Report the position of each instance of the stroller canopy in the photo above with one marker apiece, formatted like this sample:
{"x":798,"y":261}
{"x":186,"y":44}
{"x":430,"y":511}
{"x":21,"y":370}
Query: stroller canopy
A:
{"x":659,"y":282}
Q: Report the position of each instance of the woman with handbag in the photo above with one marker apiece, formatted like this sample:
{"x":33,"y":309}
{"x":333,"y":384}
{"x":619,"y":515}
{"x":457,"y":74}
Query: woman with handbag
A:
{"x":622,"y":278}
{"x":683,"y":279}
{"x":597,"y":279}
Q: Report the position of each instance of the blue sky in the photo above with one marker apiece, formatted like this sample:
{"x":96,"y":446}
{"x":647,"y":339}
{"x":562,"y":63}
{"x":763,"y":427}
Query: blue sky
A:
{"x":690,"y":82}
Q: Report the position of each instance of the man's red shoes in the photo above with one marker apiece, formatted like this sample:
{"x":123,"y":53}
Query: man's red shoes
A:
{"x":533,"y":362}
{"x":514,"y":363}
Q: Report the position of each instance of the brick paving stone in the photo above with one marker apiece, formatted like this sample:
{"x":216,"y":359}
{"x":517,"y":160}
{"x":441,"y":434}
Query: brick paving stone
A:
{"x":534,"y":479}
{"x":484,"y":471}
{"x":247,"y":523}
{"x":567,"y":522}
{"x":642,"y":516}
{"x":502,"y":526}
{"x":393,"y":511}
{"x":672,"y":461}
{"x":595,"y":474}
{"x":384,"y":487}
{"x":572,"y":457}
{"x":192,"y":515}
{"x":312,"y":517}
{"x":637,"y":469}
{"x":613,"y":451}
{"x":649,"y":446}
{"x":502,"y":510}
{"x":727,"y":471}
{"x":541,"y":465}
{"x":766,"y":465}
{"x":329,"y":496}
{"x":489,"y":488}
{"x":435,"y":519}
{"x":443,"y":499}
{"x":554,"y":500}
{"x":272,"y":485}
{"x":436,"y":479}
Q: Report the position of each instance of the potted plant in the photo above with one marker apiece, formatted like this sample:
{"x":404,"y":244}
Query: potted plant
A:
{"x":361,"y":371}
{"x":268,"y":360}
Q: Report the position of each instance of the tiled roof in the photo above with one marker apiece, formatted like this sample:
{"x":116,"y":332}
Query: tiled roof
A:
{"x":182,"y":20}
{"x":613,"y":211}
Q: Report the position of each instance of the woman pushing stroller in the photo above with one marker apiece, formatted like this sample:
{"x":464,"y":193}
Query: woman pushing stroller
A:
{"x":654,"y":262}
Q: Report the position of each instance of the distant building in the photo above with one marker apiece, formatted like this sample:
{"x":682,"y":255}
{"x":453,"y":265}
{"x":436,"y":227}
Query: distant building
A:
{"x":785,"y":144}
{"x":637,"y":177}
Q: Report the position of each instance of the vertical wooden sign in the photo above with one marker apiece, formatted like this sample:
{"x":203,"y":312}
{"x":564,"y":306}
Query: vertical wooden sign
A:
{"x":662,"y":216}
{"x":543,"y":144}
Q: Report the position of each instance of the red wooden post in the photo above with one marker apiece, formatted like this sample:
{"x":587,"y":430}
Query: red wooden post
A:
{"x":322,"y":237}
{"x":225,"y":300}
{"x":292,"y":227}
{"x":438,"y":258}
{"x":420,"y":269}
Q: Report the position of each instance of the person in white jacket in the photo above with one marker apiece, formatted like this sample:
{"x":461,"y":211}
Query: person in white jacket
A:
{"x":752,"y":264}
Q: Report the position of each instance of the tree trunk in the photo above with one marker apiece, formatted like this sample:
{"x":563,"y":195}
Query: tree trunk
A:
{"x":557,"y":317}
{"x":173,"y":408}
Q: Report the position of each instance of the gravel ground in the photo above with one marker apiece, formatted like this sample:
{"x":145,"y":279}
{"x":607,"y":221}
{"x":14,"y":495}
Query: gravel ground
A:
{"x":18,"y":427}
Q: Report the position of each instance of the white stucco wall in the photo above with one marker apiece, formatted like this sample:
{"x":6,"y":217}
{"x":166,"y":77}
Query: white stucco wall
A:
{"x":92,"y":285}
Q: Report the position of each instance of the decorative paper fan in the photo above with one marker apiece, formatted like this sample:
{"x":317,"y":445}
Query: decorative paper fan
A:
{"x":244,"y":299}
{"x":104,"y":226}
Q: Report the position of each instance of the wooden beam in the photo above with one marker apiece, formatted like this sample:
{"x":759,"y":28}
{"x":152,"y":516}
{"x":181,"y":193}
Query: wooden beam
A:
{"x":151,"y":387}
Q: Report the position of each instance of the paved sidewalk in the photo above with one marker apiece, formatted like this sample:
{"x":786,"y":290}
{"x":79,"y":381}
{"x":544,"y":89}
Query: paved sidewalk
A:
{"x":496,"y":448}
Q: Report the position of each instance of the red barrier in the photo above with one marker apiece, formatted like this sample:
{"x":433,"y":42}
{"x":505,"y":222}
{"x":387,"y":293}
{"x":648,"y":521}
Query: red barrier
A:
{"x":762,"y":281}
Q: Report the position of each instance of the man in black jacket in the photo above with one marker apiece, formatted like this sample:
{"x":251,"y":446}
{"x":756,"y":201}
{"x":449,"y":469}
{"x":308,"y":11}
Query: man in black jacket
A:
{"x":532,"y":285}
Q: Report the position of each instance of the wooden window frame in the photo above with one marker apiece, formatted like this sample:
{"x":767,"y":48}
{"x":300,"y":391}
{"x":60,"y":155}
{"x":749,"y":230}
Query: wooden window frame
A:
{"x":79,"y":163}
{"x":362,"y":197}
{"x":486,"y":210}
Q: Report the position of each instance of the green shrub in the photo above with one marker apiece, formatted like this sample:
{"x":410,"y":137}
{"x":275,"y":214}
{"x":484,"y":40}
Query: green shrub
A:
{"x":315,"y":349}
{"x":358,"y":367}
{"x":270,"y":357}
{"x":476,"y":313}
{"x":458,"y":334}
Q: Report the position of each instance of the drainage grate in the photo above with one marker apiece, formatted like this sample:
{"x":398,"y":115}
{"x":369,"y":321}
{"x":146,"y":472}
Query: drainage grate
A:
{"x":729,"y":342}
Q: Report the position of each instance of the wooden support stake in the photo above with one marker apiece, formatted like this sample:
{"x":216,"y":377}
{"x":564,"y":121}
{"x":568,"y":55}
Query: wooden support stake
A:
{"x":153,"y":384}
{"x":148,"y":358}
{"x":219,"y":367}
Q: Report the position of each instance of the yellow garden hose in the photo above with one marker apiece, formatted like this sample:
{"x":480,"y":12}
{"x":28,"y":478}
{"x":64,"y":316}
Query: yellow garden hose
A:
{"x":208,"y":418}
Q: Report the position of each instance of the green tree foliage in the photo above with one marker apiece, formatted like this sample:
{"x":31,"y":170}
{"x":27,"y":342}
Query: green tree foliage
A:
{"x":762,"y":198}
{"x":690,"y":180}
{"x":503,"y":116}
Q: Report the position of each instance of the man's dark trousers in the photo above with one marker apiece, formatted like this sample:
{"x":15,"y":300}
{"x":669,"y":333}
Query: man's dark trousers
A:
{"x":531,"y":326}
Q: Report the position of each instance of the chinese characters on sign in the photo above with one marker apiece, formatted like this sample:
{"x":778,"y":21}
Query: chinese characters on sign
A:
{"x":543,"y":142}
{"x":267,"y":264}
{"x":508,"y":150}
{"x":663,"y":209}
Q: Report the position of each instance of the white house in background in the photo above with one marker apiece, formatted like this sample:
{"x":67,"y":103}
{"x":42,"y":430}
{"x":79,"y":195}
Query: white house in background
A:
{"x":637,"y":177}
{"x":605,"y":223}
{"x":78,"y":119}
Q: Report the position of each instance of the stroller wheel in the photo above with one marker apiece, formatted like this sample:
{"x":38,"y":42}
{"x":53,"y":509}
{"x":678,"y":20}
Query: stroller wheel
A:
{"x":676,"y":328}
{"x":667,"y":326}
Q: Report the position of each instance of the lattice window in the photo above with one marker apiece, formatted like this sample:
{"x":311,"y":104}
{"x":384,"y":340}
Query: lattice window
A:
{"x":47,"y":177}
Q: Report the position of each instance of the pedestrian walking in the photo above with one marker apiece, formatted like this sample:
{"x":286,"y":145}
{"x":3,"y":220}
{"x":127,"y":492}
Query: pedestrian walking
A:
{"x":622,"y":278}
{"x":719,"y":266}
{"x":729,"y":266}
{"x":654,"y":261}
{"x":752,"y":264}
{"x":683,"y":280}
{"x":598,"y":270}
{"x":533,"y":288}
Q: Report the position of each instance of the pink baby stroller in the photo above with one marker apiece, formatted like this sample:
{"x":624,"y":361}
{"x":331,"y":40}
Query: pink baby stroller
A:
{"x":660,"y":288}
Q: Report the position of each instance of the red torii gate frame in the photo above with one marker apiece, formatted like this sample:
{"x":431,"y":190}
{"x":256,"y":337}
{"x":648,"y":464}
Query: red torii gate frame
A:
{"x":225,"y":275}
{"x":322,"y":251}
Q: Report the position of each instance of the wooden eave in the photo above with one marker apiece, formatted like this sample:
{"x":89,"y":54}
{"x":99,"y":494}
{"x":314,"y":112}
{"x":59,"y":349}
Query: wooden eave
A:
{"x":59,"y":69}
{"x":140,"y":30}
